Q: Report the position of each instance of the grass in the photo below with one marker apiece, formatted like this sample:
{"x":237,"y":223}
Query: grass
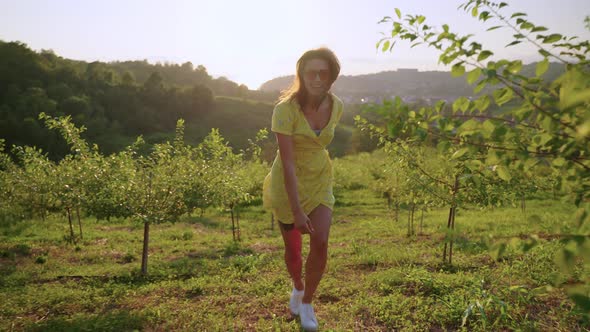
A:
{"x":377,"y":277}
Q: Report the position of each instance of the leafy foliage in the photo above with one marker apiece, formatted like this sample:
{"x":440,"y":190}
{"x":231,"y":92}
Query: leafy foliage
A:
{"x":544,"y":124}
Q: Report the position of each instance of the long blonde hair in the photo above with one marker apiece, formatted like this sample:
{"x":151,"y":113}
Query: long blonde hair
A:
{"x":297,"y":89}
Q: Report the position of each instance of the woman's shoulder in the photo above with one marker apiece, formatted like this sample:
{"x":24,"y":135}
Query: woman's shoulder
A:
{"x":286,"y":103}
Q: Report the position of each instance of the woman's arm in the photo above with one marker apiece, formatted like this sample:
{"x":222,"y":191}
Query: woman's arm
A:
{"x":302,"y":221}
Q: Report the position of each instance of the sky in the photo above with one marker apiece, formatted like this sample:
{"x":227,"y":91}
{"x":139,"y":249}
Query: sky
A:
{"x":253,"y":41}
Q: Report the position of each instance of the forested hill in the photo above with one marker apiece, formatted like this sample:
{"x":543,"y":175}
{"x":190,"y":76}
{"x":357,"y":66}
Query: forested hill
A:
{"x":408,"y":83}
{"x":119,"y":101}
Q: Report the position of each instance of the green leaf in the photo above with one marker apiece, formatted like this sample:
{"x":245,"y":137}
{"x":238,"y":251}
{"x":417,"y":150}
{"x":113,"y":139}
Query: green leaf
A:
{"x":495,"y":27}
{"x":542,"y":67}
{"x":484,"y":55}
{"x":409,"y":36}
{"x":503,"y":173}
{"x":475,"y":165}
{"x":574,"y":98}
{"x":502,"y":4}
{"x":513,"y":43}
{"x":474,"y":11}
{"x":489,"y":126}
{"x":385,"y":19}
{"x":378,"y":44}
{"x":484,"y":16}
{"x":459,"y":153}
{"x":461,"y":103}
{"x":544,"y":53}
{"x":543,"y":138}
{"x":421,"y":19}
{"x":583,"y":130}
{"x":473,"y":75}
{"x":443,"y":146}
{"x":469,"y":125}
{"x":558,"y":162}
{"x":385,"y":46}
{"x":502,"y":96}
{"x":440,"y":105}
{"x":517,"y":15}
{"x":539,"y":28}
{"x":482,"y":103}
{"x":492,"y":158}
{"x":482,"y":84}
{"x":398,"y":13}
{"x":552,"y":38}
{"x":515,"y":67}
{"x":457,"y":70}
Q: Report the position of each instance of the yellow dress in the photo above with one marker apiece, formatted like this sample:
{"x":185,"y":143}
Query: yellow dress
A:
{"x":313,"y":167}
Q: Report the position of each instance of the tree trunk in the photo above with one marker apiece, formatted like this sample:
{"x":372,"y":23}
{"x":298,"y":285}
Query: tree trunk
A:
{"x":72,"y":237}
{"x":451,"y":223}
{"x":238,"y":223}
{"x":233,"y":225}
{"x":272,"y":222}
{"x":413,"y":227}
{"x":453,"y":233}
{"x":396,"y":211}
{"x":79,"y":221}
{"x":144,"y":255}
{"x":448,"y":227}
{"x":422,"y":222}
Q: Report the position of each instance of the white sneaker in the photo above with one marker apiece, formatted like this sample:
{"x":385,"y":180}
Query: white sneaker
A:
{"x":295,"y":301}
{"x":308,"y":320}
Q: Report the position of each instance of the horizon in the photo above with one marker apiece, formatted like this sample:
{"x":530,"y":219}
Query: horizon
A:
{"x":256,"y":42}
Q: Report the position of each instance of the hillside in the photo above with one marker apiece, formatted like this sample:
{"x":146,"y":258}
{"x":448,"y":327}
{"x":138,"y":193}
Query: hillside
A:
{"x":119,"y":101}
{"x":410,"y":84}
{"x":116,"y":102}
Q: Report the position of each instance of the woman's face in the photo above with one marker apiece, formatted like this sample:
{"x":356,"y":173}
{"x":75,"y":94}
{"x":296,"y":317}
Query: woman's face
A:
{"x":316,"y":77}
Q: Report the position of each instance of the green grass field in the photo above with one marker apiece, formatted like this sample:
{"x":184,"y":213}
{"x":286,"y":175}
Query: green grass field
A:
{"x":378,"y":278}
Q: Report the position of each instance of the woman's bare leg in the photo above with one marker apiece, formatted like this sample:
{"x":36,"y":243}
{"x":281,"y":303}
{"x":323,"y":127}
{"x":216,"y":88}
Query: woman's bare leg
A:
{"x":321,"y":218}
{"x":292,"y":240}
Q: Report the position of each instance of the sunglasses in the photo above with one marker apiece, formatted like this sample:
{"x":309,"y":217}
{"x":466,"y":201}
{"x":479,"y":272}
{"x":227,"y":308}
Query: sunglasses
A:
{"x":311,"y":75}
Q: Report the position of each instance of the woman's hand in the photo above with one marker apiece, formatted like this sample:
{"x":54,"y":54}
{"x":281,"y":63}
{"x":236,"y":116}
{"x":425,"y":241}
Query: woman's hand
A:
{"x":303,"y":223}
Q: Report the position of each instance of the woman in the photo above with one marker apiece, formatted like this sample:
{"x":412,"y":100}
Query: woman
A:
{"x":298,"y":189}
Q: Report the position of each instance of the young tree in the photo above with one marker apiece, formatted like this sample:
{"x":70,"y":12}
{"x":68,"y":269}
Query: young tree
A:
{"x":74,"y":171}
{"x":156,"y":193}
{"x":31,"y":186}
{"x":548,"y":123}
{"x":226,"y":180}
